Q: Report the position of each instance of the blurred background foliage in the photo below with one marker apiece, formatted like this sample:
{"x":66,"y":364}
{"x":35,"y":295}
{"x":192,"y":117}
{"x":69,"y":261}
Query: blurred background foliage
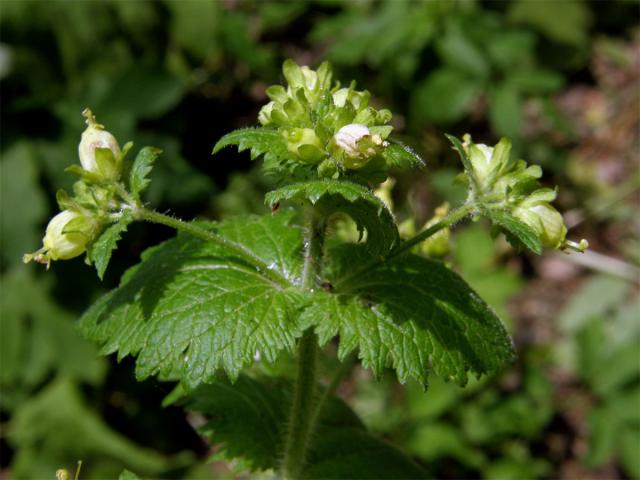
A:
{"x":561,"y":78}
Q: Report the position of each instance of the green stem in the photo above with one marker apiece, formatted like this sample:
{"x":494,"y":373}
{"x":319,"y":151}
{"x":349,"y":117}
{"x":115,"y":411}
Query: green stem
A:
{"x":240,"y":250}
{"x":301,"y":417}
{"x":453,"y":217}
{"x":126,"y":196}
{"x":342,"y":372}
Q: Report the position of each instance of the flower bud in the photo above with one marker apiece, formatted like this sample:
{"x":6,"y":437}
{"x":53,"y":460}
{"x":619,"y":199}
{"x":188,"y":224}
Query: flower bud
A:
{"x":313,"y":83}
{"x":340,"y":97}
{"x":384,"y":192}
{"x":358,"y":100}
{"x":264,"y":116}
{"x":304,"y":143}
{"x":488,"y":163}
{"x":62,"y":474}
{"x":67,"y":236}
{"x":439,"y":244}
{"x":407,"y":228}
{"x":357,"y":145}
{"x":96,"y":137}
{"x":310,"y":78}
{"x":327,"y":169}
{"x":481,"y":157}
{"x":543,"y":219}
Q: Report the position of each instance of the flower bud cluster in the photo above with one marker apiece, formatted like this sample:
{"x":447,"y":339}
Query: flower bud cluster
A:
{"x":498,"y":181}
{"x":95,"y":198}
{"x":324,"y":125}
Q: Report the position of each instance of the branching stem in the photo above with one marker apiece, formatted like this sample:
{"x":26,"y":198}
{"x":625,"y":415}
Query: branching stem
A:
{"x":453,"y":217}
{"x":302,"y":417}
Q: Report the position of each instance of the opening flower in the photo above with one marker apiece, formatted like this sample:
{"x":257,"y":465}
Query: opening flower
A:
{"x":67,"y":236}
{"x":358,"y":145}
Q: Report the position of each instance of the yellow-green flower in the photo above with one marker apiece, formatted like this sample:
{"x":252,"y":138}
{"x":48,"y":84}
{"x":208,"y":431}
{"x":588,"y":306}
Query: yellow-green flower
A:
{"x":67,"y":236}
{"x":94,"y":139}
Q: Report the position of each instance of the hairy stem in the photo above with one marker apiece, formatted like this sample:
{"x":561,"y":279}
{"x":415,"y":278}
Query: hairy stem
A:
{"x":453,"y":217}
{"x":240,"y":250}
{"x":339,"y":375}
{"x":301,"y":417}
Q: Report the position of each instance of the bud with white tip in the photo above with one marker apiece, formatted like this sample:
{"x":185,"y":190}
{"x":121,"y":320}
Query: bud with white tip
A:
{"x":538,"y":213}
{"x":96,"y":137}
{"x":357,"y":145}
{"x":67,"y":236}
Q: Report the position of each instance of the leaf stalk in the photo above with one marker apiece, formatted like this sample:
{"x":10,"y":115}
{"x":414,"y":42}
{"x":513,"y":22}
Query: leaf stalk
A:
{"x":187,"y":227}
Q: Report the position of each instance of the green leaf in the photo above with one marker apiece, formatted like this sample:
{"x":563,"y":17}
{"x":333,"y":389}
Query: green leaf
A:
{"x":536,"y":81}
{"x":192,"y":307}
{"x":435,"y":440}
{"x":412,"y":314}
{"x":458,"y":51}
{"x":629,"y":451}
{"x":194,"y":186}
{"x":506,"y":110}
{"x":330,"y":196}
{"x":143,"y":91}
{"x":260,"y":141}
{"x":475,"y":256}
{"x":57,"y":423}
{"x":248,"y":419}
{"x":508,"y":49}
{"x":356,"y":454}
{"x":127,"y":475}
{"x":604,"y":427}
{"x":564,"y":22}
{"x":20,"y":222}
{"x":34,"y":333}
{"x":401,"y":156}
{"x":142,"y":165}
{"x":195,"y":27}
{"x":90,"y":177}
{"x":598,"y":296}
{"x":106,"y":162}
{"x":526,"y":467}
{"x":464,"y":158}
{"x":516,"y":231}
{"x":254,"y":414}
{"x":444,"y":97}
{"x":100,"y":251}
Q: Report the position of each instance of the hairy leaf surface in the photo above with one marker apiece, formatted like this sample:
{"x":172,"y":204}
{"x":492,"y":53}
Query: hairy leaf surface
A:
{"x":401,"y":156}
{"x":330,"y":196}
{"x":464,"y":158}
{"x":259,"y":141}
{"x":248,"y":419}
{"x":100,"y":251}
{"x":194,"y":307}
{"x":412,"y":314}
{"x":142,"y":165}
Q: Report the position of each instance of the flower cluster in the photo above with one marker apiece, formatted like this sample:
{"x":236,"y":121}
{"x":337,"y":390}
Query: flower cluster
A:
{"x":324,"y":124}
{"x":95,"y":200}
{"x":498,"y":181}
